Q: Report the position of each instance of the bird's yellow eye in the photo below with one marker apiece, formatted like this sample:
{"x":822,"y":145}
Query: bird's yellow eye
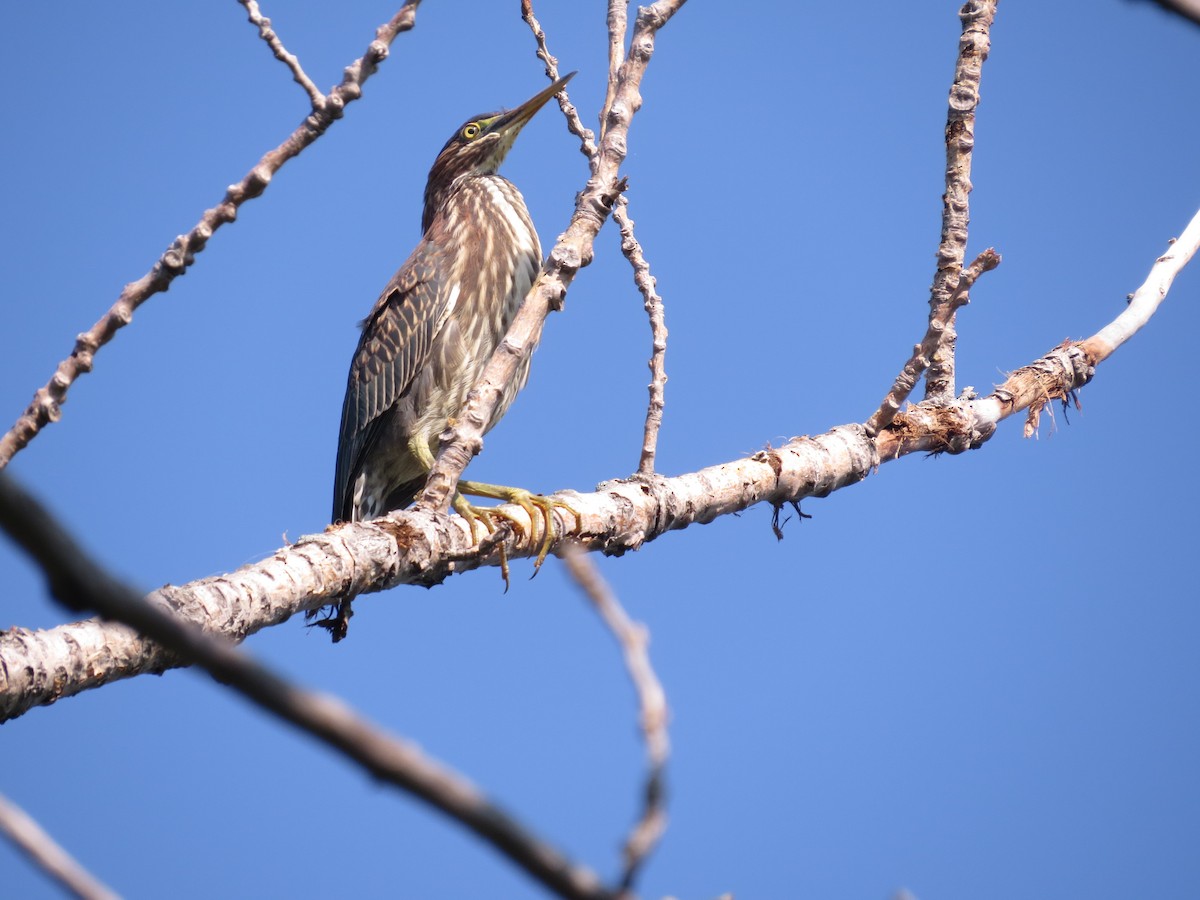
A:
{"x":471,"y":131}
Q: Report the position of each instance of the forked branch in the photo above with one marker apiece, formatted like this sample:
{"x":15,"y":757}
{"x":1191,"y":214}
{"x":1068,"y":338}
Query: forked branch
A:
{"x":973,"y":46}
{"x":267,"y":33}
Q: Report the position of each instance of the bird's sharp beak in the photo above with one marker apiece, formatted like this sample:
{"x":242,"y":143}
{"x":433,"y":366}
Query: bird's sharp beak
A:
{"x":514,"y":120}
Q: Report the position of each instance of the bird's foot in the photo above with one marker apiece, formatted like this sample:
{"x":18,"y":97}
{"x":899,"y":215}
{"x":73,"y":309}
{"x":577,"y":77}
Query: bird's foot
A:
{"x":474,"y":516}
{"x":536,"y":507}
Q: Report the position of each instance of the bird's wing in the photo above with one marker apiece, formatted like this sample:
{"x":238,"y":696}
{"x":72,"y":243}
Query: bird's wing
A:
{"x":394,"y":345}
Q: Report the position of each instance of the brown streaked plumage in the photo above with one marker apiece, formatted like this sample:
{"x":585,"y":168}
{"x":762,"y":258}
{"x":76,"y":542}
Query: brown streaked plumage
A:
{"x":434,"y":327}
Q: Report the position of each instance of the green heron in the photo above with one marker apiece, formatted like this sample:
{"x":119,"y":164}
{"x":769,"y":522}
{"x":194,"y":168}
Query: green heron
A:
{"x":434,"y":327}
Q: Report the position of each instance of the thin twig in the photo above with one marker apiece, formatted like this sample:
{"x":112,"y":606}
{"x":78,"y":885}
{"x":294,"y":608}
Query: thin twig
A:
{"x":919,"y":361}
{"x":574,"y":250}
{"x":47,"y":402}
{"x":263,"y":24}
{"x":575,"y":125}
{"x":79,"y":582}
{"x":634,"y":640}
{"x":48,"y":855}
{"x":973,"y":45}
{"x":1144,"y":302}
{"x":618,"y":21}
{"x":658,"y":333}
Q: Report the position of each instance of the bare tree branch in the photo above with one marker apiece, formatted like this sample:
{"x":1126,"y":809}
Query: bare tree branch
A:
{"x":634,"y":640}
{"x":629,"y":244}
{"x":973,"y":45}
{"x":574,"y":250}
{"x":922,"y":352}
{"x":80,"y":582}
{"x":658,"y":334}
{"x":32,"y":840}
{"x":1144,"y":302}
{"x":47,"y":402}
{"x":418,"y":546}
{"x":575,"y":125}
{"x":263,"y":24}
{"x":1188,"y":9}
{"x":618,"y":23}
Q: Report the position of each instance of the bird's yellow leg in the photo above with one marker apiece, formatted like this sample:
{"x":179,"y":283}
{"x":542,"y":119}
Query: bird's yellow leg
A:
{"x":422,"y":452}
{"x":533,"y":504}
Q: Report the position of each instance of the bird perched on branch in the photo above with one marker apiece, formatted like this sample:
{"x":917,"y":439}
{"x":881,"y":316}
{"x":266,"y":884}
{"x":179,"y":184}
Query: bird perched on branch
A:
{"x":434,"y":327}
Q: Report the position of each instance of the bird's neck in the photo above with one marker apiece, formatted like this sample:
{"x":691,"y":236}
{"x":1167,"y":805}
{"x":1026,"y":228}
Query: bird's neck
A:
{"x":436,"y":198}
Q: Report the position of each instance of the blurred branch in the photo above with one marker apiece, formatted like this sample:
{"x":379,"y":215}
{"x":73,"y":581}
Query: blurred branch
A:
{"x":422,"y":547}
{"x":1188,"y":9}
{"x":973,"y":45}
{"x":574,"y":250}
{"x":47,"y":403}
{"x":263,"y":24}
{"x":635,"y":641}
{"x":79,"y":582}
{"x":32,"y":840}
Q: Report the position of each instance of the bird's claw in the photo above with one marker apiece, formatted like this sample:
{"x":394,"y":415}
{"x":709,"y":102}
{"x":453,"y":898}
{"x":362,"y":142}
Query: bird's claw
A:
{"x":536,"y":506}
{"x":476,"y":514}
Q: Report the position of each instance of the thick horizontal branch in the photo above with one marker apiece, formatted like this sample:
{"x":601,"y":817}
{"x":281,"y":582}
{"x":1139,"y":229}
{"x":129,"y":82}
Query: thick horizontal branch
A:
{"x":414,"y":547}
{"x":424,"y":547}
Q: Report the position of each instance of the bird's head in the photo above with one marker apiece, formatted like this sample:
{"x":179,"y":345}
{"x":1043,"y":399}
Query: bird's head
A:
{"x":480,"y":144}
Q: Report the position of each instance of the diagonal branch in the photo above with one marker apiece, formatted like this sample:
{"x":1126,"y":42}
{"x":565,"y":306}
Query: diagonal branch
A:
{"x":973,"y":45}
{"x":575,"y":125}
{"x":32,"y":840}
{"x":79,"y":582}
{"x":1188,"y":9}
{"x":574,"y":250}
{"x":267,"y":33}
{"x":46,"y":406}
{"x":1144,"y":302}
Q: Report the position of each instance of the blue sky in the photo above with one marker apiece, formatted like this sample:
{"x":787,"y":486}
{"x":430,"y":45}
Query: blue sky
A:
{"x":968,"y":677}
